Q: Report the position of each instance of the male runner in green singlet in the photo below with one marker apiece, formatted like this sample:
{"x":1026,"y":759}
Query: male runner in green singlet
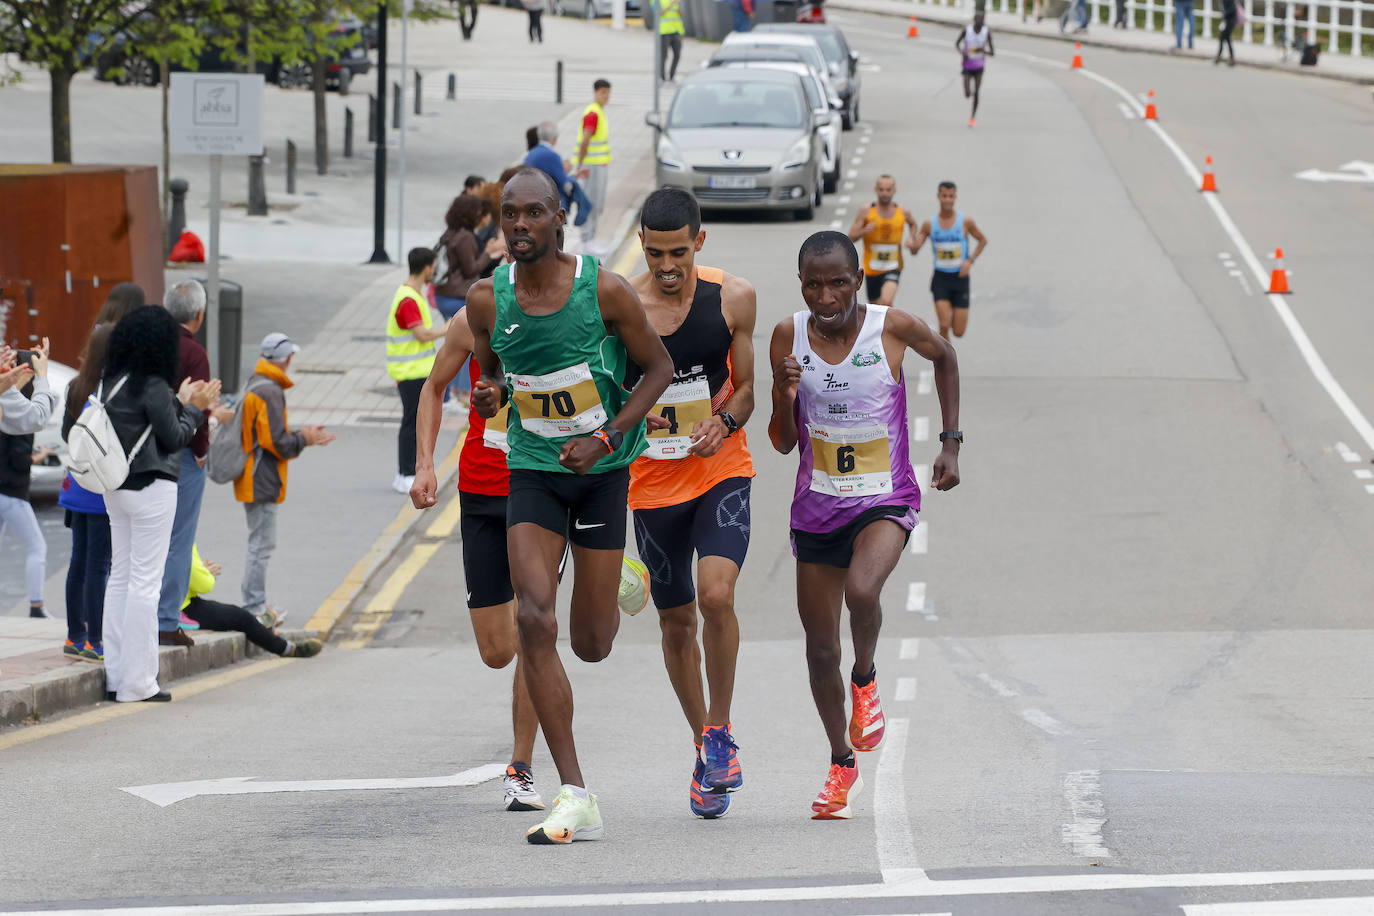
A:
{"x":552,"y":333}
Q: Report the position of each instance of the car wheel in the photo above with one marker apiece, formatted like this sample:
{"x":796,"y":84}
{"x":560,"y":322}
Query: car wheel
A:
{"x":805,"y":214}
{"x":296,"y":76}
{"x":832,"y":181}
{"x":855,"y":117}
{"x":139,"y":71}
{"x":816,"y":195}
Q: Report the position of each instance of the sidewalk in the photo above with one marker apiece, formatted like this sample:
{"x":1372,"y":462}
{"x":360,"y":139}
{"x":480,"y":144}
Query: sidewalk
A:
{"x":1332,"y":66}
{"x":340,"y":521}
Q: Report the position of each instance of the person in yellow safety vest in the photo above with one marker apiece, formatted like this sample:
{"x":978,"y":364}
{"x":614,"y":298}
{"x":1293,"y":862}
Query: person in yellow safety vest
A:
{"x":670,"y":32}
{"x":593,"y":162}
{"x":410,"y":335}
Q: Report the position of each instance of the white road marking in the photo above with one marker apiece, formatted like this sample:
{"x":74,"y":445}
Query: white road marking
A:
{"x":857,"y":160}
{"x":925,"y":381}
{"x":836,"y":224}
{"x":1224,"y":255}
{"x":849,"y":185}
{"x":169,"y":793}
{"x":920,"y":537}
{"x":911,"y":647}
{"x":996,"y":686}
{"x":1043,"y":721}
{"x":1126,"y":111}
{"x":861,"y":150}
{"x":1083,"y":792}
{"x":906,"y":689}
{"x":1235,"y":273}
{"x":1347,"y":454}
{"x":844,"y":198}
{"x":898,"y":883}
{"x":1369,"y":488}
{"x":920,"y":430}
{"x":1351,"y":171}
{"x":891,"y":824}
{"x":1315,"y":364}
{"x":839,"y":211}
{"x":1360,"y":473}
{"x":916,"y":596}
{"x":852,"y":173}
{"x":1323,"y":906}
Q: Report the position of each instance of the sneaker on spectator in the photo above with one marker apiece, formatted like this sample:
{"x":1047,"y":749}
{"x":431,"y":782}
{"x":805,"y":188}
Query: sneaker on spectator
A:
{"x":93,"y":652}
{"x":187,"y":623}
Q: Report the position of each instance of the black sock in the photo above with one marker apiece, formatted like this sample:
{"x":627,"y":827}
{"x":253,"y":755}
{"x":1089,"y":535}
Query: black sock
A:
{"x":844,"y":760}
{"x":520,"y":766}
{"x":866,"y":679}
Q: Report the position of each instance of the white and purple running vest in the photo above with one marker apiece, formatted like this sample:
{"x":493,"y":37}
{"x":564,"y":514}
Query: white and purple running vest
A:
{"x":851,"y":422}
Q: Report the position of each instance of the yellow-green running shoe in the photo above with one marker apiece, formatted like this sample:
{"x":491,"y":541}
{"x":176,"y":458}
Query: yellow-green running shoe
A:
{"x":634,"y":586}
{"x":571,"y":819}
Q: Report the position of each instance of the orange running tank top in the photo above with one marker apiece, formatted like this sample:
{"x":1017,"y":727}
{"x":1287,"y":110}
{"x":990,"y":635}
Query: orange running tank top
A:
{"x":883,"y":246}
{"x":665,"y":475}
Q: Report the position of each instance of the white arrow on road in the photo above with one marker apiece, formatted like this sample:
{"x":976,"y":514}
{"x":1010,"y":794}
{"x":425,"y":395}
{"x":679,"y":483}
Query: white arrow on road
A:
{"x":1351,"y":171}
{"x":169,"y":793}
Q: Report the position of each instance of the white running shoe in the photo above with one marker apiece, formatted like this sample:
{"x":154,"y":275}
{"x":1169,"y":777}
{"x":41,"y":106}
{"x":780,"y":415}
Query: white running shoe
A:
{"x":519,"y":788}
{"x":572,"y":819}
{"x":633,"y":595}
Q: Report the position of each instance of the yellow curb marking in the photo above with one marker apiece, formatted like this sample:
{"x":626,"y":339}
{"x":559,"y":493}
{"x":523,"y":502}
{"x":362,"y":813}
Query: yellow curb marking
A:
{"x":107,"y":711}
{"x":383,"y":604}
{"x":630,"y":259}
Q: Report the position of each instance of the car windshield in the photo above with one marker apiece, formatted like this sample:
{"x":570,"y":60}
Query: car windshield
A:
{"x":737,"y":104}
{"x":830,"y":44}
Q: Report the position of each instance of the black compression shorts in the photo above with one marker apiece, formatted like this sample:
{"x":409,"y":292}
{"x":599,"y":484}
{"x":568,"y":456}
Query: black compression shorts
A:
{"x":836,"y":548}
{"x":950,"y":287}
{"x":589,"y":509}
{"x":715,"y":524}
{"x":486,"y":564}
{"x":873,"y":283}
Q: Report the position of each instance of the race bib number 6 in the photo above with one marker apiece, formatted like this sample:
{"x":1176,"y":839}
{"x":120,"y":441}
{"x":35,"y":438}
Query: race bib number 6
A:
{"x":850,"y":462}
{"x":562,"y":403}
{"x":684,"y":405}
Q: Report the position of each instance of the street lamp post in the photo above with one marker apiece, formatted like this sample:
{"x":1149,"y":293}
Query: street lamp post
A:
{"x":379,"y":165}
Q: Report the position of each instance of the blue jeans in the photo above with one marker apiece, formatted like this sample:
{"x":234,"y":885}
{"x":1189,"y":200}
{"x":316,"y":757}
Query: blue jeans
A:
{"x":448,"y":307}
{"x":1183,"y":9}
{"x":87,"y":574}
{"x":742,"y":21}
{"x":176,"y":577}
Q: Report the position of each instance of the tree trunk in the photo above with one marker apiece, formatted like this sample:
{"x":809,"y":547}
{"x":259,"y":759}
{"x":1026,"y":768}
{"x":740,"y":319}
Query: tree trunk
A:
{"x":321,"y":121}
{"x":163,"y":69}
{"x":61,"y":102}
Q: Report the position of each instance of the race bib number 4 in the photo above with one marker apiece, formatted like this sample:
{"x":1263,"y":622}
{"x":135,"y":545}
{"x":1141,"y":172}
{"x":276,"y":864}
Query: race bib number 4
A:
{"x":850,"y":462}
{"x":949,"y":252}
{"x":684,"y":405}
{"x":494,"y":433}
{"x":562,"y":403}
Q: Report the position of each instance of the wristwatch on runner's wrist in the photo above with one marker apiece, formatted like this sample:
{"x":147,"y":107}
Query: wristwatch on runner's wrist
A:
{"x":954,"y":434}
{"x":731,"y":424}
{"x":611,"y":436}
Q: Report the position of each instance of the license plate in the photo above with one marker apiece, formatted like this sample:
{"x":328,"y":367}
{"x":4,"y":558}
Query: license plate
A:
{"x":732,"y":181}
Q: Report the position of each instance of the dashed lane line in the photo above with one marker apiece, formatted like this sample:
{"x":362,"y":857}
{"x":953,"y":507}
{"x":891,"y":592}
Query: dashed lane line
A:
{"x":916,"y":597}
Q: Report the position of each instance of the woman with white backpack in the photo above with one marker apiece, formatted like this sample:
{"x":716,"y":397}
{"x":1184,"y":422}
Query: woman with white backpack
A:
{"x":149,"y":414}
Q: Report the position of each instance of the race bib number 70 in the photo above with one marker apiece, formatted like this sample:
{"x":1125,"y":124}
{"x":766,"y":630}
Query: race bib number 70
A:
{"x":850,"y":462}
{"x":562,"y":403}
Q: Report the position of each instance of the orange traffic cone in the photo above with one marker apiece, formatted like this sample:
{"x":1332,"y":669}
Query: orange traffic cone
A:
{"x":1278,"y":280}
{"x":1077,"y":55}
{"x":1150,"y":108}
{"x":911,"y":31}
{"x":1209,"y":181}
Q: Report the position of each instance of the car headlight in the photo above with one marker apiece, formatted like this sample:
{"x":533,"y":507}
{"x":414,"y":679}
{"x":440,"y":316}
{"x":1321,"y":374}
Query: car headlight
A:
{"x":796,"y":156}
{"x":668,"y":156}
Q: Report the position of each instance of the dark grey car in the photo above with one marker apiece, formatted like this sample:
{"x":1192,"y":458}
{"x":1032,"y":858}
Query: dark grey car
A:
{"x":742,"y":139}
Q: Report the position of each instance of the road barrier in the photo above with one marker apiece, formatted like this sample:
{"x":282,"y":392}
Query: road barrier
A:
{"x":1338,"y":26}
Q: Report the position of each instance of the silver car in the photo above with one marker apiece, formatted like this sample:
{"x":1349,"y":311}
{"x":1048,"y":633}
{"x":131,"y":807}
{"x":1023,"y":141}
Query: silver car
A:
{"x":592,"y":9}
{"x":807,"y":45}
{"x":45,"y":480}
{"x":815,"y":96}
{"x":742,"y":139}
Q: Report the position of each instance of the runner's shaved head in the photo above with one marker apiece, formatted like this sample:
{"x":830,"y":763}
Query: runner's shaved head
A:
{"x":526,"y":174}
{"x":825,"y":241}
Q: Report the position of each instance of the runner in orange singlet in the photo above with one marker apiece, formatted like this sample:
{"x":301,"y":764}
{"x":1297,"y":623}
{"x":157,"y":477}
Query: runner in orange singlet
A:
{"x":881,"y":227}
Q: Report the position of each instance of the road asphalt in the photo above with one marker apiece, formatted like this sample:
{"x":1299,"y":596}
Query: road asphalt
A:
{"x":1124,"y":662}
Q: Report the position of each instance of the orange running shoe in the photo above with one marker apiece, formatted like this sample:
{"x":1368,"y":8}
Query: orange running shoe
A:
{"x":841,"y":787}
{"x":866,"y":723}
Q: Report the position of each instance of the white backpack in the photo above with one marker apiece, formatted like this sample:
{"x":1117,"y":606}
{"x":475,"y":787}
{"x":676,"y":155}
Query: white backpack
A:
{"x":95,"y":456}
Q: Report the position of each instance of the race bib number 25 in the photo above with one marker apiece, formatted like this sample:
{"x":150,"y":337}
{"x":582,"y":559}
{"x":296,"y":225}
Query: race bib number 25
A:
{"x":562,"y":403}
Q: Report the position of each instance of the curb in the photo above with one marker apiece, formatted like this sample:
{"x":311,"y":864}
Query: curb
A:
{"x":959,"y":18}
{"x":83,"y":684}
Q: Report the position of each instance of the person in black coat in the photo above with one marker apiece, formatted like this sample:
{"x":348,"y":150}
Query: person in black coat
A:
{"x":154,"y":415}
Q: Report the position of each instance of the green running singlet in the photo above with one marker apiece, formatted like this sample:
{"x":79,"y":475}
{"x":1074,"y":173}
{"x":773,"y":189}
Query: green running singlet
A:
{"x":564,"y":374}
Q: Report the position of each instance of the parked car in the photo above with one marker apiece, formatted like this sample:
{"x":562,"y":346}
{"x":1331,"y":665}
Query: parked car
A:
{"x":820,"y":106}
{"x":842,"y":61}
{"x":593,"y":9}
{"x":742,"y":139}
{"x":804,"y":38}
{"x":129,"y":65}
{"x":45,"y":482}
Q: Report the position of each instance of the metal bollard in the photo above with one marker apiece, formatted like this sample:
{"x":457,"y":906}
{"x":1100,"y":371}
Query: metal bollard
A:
{"x":176,"y":222}
{"x":348,"y":133}
{"x":558,"y":83}
{"x":452,"y":87}
{"x":290,"y":166}
{"x":418,"y":93}
{"x":371,"y":118}
{"x":257,"y":186}
{"x":396,"y":106}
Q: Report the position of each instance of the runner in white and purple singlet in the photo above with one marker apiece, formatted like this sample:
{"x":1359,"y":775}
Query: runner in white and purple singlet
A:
{"x":839,"y":394}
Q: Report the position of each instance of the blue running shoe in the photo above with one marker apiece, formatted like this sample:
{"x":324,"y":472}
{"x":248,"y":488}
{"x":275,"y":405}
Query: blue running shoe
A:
{"x":705,"y":803}
{"x":719,"y":753}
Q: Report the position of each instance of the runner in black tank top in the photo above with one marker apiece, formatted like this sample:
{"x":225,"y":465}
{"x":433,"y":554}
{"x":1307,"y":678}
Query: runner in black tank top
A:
{"x":690,"y":489}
